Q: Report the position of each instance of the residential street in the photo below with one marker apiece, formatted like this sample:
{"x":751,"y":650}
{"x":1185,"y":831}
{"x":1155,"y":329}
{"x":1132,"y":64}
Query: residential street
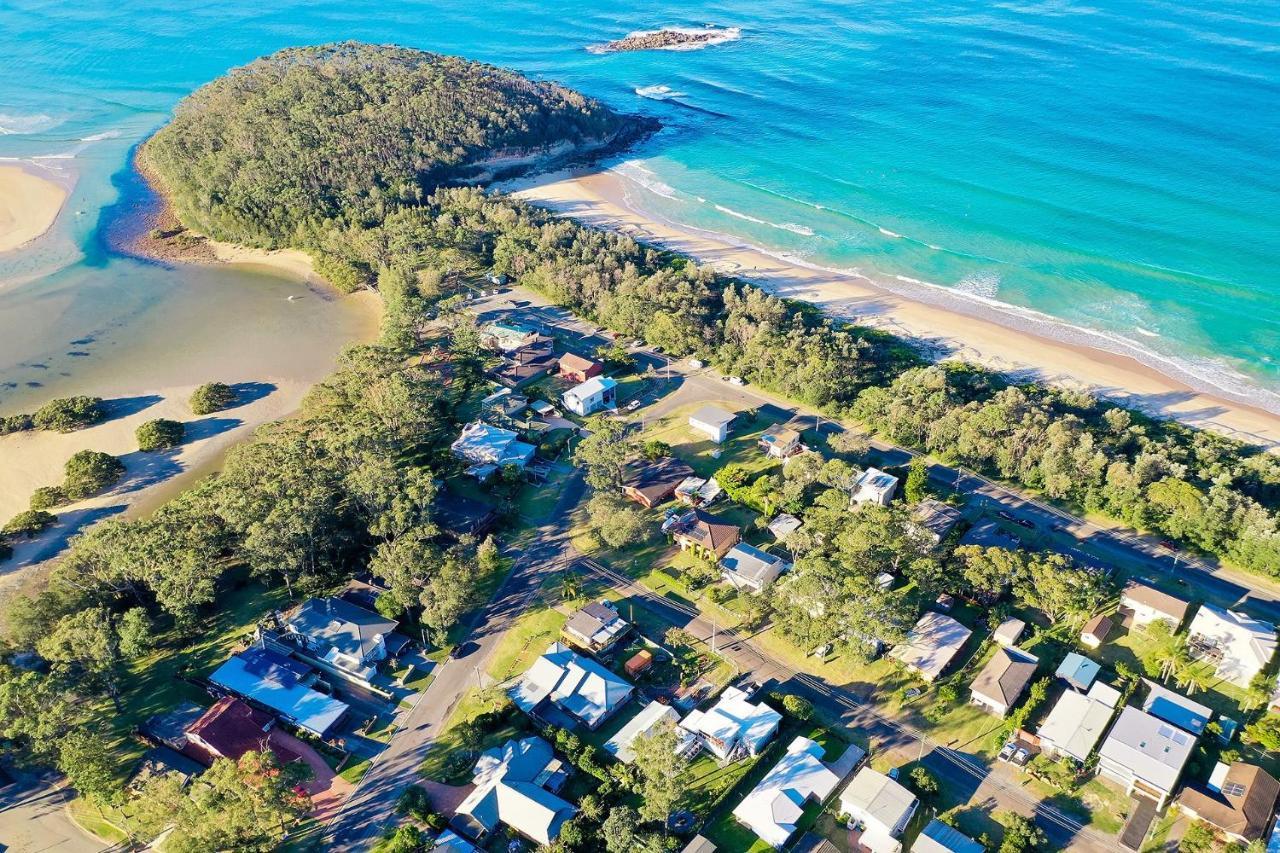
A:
{"x":372,"y":806}
{"x":33,"y":817}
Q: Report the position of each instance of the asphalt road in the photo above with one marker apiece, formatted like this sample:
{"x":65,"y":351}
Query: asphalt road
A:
{"x":989,"y":788}
{"x":1052,"y":529}
{"x":371,"y":808}
{"x":33,"y":819}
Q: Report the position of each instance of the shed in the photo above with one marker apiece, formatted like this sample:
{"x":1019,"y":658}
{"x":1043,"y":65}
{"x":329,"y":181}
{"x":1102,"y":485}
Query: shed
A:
{"x":1078,"y":671}
{"x":1009,"y":632}
{"x":638,"y":663}
{"x":1095,"y":631}
{"x":713,"y":422}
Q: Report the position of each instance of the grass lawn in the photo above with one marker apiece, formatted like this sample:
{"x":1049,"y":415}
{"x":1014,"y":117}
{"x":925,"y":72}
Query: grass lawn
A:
{"x":449,"y":760}
{"x":525,"y":642}
{"x":97,"y":821}
{"x":354,"y":771}
{"x":704,"y":455}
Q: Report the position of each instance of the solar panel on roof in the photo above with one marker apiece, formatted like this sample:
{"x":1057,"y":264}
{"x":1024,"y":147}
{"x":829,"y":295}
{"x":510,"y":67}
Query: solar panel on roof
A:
{"x":1165,"y":731}
{"x":1233,"y":789}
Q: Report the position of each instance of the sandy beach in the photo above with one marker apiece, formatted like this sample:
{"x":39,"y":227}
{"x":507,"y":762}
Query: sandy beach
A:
{"x":29,"y":204}
{"x":954,"y":331}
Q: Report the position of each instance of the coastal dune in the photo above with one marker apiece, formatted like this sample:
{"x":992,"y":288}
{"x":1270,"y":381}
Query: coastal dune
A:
{"x":29,"y":205}
{"x":969,"y":333}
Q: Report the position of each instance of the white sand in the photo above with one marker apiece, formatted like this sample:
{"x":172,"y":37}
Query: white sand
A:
{"x":29,"y":204}
{"x":600,"y":198}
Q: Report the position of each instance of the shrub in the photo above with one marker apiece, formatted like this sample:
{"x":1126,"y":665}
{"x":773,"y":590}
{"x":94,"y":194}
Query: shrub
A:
{"x":923,"y":781}
{"x":28,"y":523}
{"x":798,"y":707}
{"x":16,"y":423}
{"x":90,"y":472}
{"x":160,"y":434}
{"x":69,"y":413}
{"x":212,"y":397}
{"x":47,"y":497}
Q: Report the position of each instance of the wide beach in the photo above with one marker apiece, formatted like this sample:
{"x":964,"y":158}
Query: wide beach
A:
{"x":972,"y":332}
{"x":29,"y":205}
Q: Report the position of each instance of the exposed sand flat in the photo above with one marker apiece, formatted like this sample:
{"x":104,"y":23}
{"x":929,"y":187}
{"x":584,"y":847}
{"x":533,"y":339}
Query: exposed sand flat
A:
{"x":601,"y":198}
{"x":29,"y":204}
{"x":291,"y":262}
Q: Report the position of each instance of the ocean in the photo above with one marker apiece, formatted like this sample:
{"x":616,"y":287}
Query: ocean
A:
{"x":1110,"y":170}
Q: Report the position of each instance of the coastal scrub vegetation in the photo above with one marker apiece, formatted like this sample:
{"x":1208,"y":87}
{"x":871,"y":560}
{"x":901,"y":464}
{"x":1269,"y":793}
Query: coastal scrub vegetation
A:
{"x":212,"y":397}
{"x":160,"y":434}
{"x":65,"y":414}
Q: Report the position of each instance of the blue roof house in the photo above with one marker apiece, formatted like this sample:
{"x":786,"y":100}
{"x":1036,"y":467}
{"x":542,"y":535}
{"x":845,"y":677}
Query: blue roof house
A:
{"x":275,"y":682}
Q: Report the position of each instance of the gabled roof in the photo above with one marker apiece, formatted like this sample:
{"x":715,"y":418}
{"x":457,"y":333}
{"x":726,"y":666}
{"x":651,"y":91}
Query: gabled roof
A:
{"x":1244,"y":804}
{"x":575,"y":363}
{"x":937,"y":837}
{"x":784,"y":525}
{"x":341,"y":625}
{"x":753,"y":564}
{"x":657,"y":479}
{"x":597,"y":624}
{"x":1008,"y":631}
{"x":1075,"y":724}
{"x":1162,"y":602}
{"x":712,"y":416}
{"x":506,"y":791}
{"x":1148,"y":747}
{"x":273,"y":681}
{"x":593,"y":386}
{"x":932,"y":643}
{"x":773,"y":807}
{"x":877,"y":798}
{"x":1005,"y":676}
{"x":650,"y":718}
{"x":577,"y":685}
{"x":735,"y":719}
{"x":1099,"y":626}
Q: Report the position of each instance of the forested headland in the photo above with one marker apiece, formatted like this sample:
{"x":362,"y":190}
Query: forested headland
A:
{"x":344,"y":151}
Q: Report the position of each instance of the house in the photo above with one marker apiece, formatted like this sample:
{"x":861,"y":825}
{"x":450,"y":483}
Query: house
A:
{"x":774,"y":806}
{"x":1095,"y":631}
{"x":1002,"y":681}
{"x":734,"y":726}
{"x":1078,"y":671}
{"x":170,"y":728}
{"x":279,"y":683}
{"x":1008,"y":632}
{"x":1074,"y":725}
{"x":751,"y":569}
{"x":450,"y":842}
{"x":596,"y":628}
{"x":874,"y":486}
{"x":1175,"y":708}
{"x":161,"y":761}
{"x":651,"y":483}
{"x":1239,"y":646}
{"x":514,"y":785}
{"x":937,"y":837}
{"x":695,"y":491}
{"x":988,"y":534}
{"x":341,"y":634}
{"x":699,"y":844}
{"x":524,"y":365}
{"x":577,"y":686}
{"x":230,"y":729}
{"x":488,"y":447}
{"x":780,"y":441}
{"x":650,"y":719}
{"x":507,"y":335}
{"x":935,"y":520}
{"x":1144,"y":604}
{"x":784,"y":525}
{"x":459,"y":515}
{"x":576,"y":368}
{"x":1145,"y":755}
{"x":881,"y":806}
{"x":702,"y":532}
{"x":713,"y":422}
{"x":600,"y":392}
{"x":931,"y":645}
{"x":1239,"y":800}
{"x":504,"y":403}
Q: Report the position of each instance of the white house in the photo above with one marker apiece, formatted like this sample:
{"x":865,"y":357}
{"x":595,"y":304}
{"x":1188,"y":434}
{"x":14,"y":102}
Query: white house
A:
{"x":780,"y":441}
{"x":511,"y":787}
{"x":874,"y":486}
{"x":598,"y":392}
{"x":931,"y":645}
{"x":734,"y":726}
{"x":1145,"y":754}
{"x":574,"y":684}
{"x":1239,"y":645}
{"x":1145,"y":604}
{"x":748,"y":568}
{"x":652,"y":717}
{"x":1000,"y":684}
{"x":937,"y":837}
{"x":784,"y":525}
{"x":713,"y":422}
{"x":1075,"y":725}
{"x":881,"y":806}
{"x":483,"y":445}
{"x":774,"y":806}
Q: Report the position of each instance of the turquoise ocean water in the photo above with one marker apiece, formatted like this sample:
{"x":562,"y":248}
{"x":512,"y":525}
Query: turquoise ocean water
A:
{"x":1110,"y":167}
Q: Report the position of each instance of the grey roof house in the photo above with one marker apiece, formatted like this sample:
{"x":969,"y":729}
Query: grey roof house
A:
{"x":595,"y":628}
{"x":748,"y":567}
{"x":575,"y":685}
{"x":341,"y":634}
{"x":514,"y":785}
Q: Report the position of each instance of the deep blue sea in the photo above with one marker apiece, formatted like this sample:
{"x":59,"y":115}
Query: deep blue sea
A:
{"x":1113,"y":165}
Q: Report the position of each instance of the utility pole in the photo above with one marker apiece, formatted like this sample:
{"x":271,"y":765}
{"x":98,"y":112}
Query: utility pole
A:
{"x":713,"y":636}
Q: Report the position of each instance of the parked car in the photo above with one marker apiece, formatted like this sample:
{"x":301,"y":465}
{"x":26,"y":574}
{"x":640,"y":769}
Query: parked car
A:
{"x":1007,"y":751}
{"x":1169,"y":543}
{"x":1021,"y":757}
{"x":637,"y":343}
{"x":1005,"y":514}
{"x":697,"y":363}
{"x":633,"y":405}
{"x":1025,"y":522}
{"x":737,"y":380}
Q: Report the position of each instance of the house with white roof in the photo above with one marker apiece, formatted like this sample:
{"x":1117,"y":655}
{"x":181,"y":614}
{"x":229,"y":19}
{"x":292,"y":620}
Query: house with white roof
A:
{"x":931,"y":645}
{"x":598,"y":392}
{"x":881,"y":806}
{"x":1075,"y":725}
{"x":774,"y":806}
{"x":573,"y":684}
{"x":874,"y":486}
{"x":783,"y":525}
{"x":488,"y":447}
{"x":937,"y":837}
{"x":514,"y":785}
{"x":713,"y":422}
{"x":735,"y":726}
{"x":751,"y":569}
{"x":651,"y":718}
{"x":1145,"y":754}
{"x":1239,"y":646}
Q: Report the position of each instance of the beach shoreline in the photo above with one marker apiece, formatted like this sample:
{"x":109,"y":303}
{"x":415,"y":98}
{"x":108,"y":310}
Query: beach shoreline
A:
{"x":939,"y":324}
{"x":29,"y":205}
